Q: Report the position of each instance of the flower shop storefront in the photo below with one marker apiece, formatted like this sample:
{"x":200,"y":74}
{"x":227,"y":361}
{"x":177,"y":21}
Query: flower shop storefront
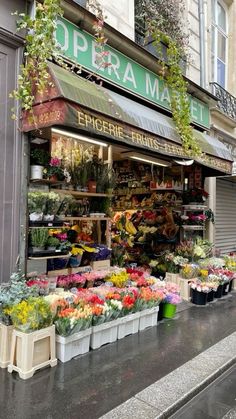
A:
{"x":108,"y":203}
{"x":142,"y":172}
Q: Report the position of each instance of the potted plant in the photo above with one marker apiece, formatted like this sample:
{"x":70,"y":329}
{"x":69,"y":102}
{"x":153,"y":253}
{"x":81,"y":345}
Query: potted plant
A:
{"x":76,"y":256}
{"x":52,"y":205}
{"x":170,"y":304}
{"x":110,"y":180}
{"x":55,"y":170}
{"x":52,"y":243}
{"x":39,"y":159}
{"x":39,"y":237}
{"x":73,"y":328}
{"x":36,"y":205}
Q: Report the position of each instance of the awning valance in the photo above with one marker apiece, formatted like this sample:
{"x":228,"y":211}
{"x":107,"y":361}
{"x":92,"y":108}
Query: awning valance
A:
{"x":85,"y":104}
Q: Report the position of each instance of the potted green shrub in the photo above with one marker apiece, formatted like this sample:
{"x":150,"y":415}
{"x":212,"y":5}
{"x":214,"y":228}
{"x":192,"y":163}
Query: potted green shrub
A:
{"x":39,"y":159}
{"x":39,"y":237}
{"x":52,"y":243}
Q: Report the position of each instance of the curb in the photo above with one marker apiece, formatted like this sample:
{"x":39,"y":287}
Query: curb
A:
{"x":167,"y":395}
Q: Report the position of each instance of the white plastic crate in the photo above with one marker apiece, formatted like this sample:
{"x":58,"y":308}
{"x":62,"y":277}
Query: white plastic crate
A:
{"x":148,"y":318}
{"x":5,"y":344}
{"x":69,"y":347}
{"x":104,"y":333}
{"x":32,"y":351}
{"x":128,"y":325}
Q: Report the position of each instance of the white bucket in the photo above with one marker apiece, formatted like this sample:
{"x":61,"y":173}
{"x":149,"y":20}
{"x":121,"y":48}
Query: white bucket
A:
{"x":36,"y":172}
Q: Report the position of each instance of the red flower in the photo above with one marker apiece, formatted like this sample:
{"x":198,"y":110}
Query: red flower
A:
{"x":128,"y":302}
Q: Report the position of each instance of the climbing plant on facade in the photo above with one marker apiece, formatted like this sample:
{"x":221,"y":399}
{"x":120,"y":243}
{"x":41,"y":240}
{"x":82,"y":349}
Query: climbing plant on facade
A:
{"x":164,"y":21}
{"x":40,"y":46}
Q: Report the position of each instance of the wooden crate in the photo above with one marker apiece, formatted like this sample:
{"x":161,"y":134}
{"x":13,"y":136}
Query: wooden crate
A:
{"x":100,"y":265}
{"x":58,"y":272}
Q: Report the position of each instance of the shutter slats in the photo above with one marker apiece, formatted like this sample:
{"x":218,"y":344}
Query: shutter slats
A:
{"x":225,"y":216}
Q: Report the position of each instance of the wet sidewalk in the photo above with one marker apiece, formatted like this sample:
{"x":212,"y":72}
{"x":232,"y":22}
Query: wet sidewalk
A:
{"x":95,"y":383}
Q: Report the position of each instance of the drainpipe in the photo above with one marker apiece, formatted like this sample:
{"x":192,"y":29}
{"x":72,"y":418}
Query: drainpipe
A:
{"x":201,"y":16}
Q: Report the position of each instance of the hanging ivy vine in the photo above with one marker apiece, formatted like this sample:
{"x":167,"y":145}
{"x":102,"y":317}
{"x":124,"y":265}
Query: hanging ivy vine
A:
{"x":164,"y":21}
{"x":40,"y":46}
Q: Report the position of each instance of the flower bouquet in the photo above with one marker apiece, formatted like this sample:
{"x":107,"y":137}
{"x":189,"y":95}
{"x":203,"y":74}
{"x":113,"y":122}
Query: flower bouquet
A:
{"x":73,"y":320}
{"x":30,"y":315}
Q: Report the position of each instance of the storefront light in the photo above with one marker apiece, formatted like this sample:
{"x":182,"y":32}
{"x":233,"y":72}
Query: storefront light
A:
{"x":145,"y":159}
{"x":78,"y":137}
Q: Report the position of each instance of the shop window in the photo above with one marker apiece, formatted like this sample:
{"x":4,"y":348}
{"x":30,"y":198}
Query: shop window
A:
{"x":219,"y":40}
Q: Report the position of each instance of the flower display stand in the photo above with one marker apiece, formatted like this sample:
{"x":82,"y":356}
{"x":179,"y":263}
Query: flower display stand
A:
{"x":71,"y":346}
{"x":5,"y":344}
{"x":185,"y":289}
{"x":148,"y":318}
{"x":128,"y":325}
{"x":104,"y":333}
{"x":32,"y":351}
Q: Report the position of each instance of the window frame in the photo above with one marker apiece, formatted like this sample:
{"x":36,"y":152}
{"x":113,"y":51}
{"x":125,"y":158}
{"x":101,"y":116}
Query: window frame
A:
{"x":214,"y":37}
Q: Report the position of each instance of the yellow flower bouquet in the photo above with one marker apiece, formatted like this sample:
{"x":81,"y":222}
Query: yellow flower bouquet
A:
{"x":32,"y":314}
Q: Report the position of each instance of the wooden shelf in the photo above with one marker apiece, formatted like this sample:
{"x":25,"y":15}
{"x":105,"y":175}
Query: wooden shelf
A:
{"x":194,"y":207}
{"x":86,"y":219}
{"x":48,"y":257}
{"x":148,"y":192}
{"x":46,"y":182}
{"x":83,"y":194}
{"x":193,"y":227}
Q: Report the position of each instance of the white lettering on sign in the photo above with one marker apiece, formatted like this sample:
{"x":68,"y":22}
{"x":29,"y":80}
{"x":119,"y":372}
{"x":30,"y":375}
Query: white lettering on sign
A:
{"x":114,"y":62}
{"x":129,"y":75}
{"x":165,"y":95}
{"x":152,"y":89}
{"x":78,"y":46}
{"x":64,"y":46}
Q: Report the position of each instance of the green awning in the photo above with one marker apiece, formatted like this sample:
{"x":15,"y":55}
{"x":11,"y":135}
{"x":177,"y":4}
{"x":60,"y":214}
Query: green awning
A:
{"x":71,"y":95}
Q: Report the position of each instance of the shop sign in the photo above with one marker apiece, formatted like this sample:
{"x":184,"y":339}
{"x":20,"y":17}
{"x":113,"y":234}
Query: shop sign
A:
{"x":80,"y":47}
{"x":59,"y":112}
